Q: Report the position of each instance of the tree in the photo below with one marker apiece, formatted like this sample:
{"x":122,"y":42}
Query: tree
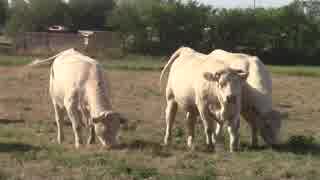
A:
{"x":37,"y":15}
{"x":90,"y":14}
{"x":3,"y":11}
{"x":18,"y":21}
{"x":49,"y":12}
{"x":159,"y":26}
{"x":311,"y":8}
{"x":133,"y":21}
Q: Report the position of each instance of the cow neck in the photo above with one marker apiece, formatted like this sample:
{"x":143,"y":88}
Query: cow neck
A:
{"x":97,"y":97}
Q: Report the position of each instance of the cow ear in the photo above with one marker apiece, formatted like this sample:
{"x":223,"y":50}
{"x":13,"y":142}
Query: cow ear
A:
{"x":243,"y":74}
{"x":211,"y":77}
{"x":112,"y":115}
{"x":123,"y":120}
{"x":97,"y":119}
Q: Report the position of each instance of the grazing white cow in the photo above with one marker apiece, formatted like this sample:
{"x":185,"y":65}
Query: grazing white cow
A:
{"x":207,"y":88}
{"x":257,"y":98}
{"x":77,"y":87}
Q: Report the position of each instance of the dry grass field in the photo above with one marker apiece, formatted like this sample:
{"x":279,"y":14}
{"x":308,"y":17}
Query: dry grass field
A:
{"x":28,"y":147}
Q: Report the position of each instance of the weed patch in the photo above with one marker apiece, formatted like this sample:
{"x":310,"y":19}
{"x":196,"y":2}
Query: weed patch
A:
{"x":300,"y":145}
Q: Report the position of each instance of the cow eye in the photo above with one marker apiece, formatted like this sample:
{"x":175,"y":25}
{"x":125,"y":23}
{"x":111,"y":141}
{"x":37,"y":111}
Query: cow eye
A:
{"x":222,"y":84}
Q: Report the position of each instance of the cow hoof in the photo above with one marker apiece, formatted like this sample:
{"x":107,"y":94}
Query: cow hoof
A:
{"x":109,"y":147}
{"x":91,"y":141}
{"x":233,"y":150}
{"x":165,"y":145}
{"x":77,"y":146}
{"x":60,"y":139}
{"x":210,"y":148}
{"x":166,"y":142}
{"x":192,"y":148}
{"x":219,"y":147}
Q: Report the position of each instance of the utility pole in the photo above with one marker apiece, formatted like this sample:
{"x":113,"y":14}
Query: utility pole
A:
{"x":254,"y":4}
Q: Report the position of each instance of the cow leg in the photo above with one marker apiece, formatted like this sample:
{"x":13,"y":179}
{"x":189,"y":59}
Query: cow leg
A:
{"x":218,"y":138}
{"x":59,"y":115}
{"x":233,"y":130}
{"x":254,"y":133}
{"x":171,"y":111}
{"x":250,"y":118}
{"x":92,"y":133}
{"x":207,"y":123}
{"x":71,"y":105}
{"x":88,"y":120}
{"x":191,"y":120}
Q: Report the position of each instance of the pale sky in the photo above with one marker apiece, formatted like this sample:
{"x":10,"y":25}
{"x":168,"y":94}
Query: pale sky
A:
{"x":245,"y":3}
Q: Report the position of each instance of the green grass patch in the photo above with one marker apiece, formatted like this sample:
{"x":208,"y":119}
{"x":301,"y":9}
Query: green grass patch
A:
{"x":156,"y":63}
{"x":3,"y":176}
{"x":136,"y":165}
{"x":14,"y":60}
{"x":310,"y":71}
{"x":139,"y":62}
{"x":135,"y":62}
{"x":8,"y":132}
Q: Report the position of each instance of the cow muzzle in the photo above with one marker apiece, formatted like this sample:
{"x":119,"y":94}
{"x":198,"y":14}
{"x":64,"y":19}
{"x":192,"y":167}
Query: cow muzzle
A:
{"x":231,"y":99}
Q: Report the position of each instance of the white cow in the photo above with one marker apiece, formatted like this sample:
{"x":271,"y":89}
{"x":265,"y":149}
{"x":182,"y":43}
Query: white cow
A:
{"x":77,"y":87}
{"x":257,"y":98}
{"x":207,"y":88}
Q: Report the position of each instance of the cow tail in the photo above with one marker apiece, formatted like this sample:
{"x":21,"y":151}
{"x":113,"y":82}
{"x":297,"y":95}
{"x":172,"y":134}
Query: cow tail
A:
{"x":175,"y":55}
{"x":51,"y":72}
{"x":49,"y":60}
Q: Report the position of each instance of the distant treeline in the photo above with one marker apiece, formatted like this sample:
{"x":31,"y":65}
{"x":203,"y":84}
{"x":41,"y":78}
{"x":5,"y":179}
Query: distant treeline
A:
{"x":285,"y":35}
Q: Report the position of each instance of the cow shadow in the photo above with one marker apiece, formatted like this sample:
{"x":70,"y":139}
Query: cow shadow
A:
{"x":300,"y":145}
{"x":244,"y":146}
{"x":153,"y":148}
{"x":11,"y":121}
{"x":17,"y":147}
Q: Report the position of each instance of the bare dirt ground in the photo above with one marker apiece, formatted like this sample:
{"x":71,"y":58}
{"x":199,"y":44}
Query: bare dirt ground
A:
{"x":28,"y":148}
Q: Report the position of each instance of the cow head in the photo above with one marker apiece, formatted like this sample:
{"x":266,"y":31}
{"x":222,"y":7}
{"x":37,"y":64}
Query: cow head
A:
{"x":229,"y":90}
{"x":270,"y":127}
{"x":107,"y":126}
{"x":229,"y":83}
